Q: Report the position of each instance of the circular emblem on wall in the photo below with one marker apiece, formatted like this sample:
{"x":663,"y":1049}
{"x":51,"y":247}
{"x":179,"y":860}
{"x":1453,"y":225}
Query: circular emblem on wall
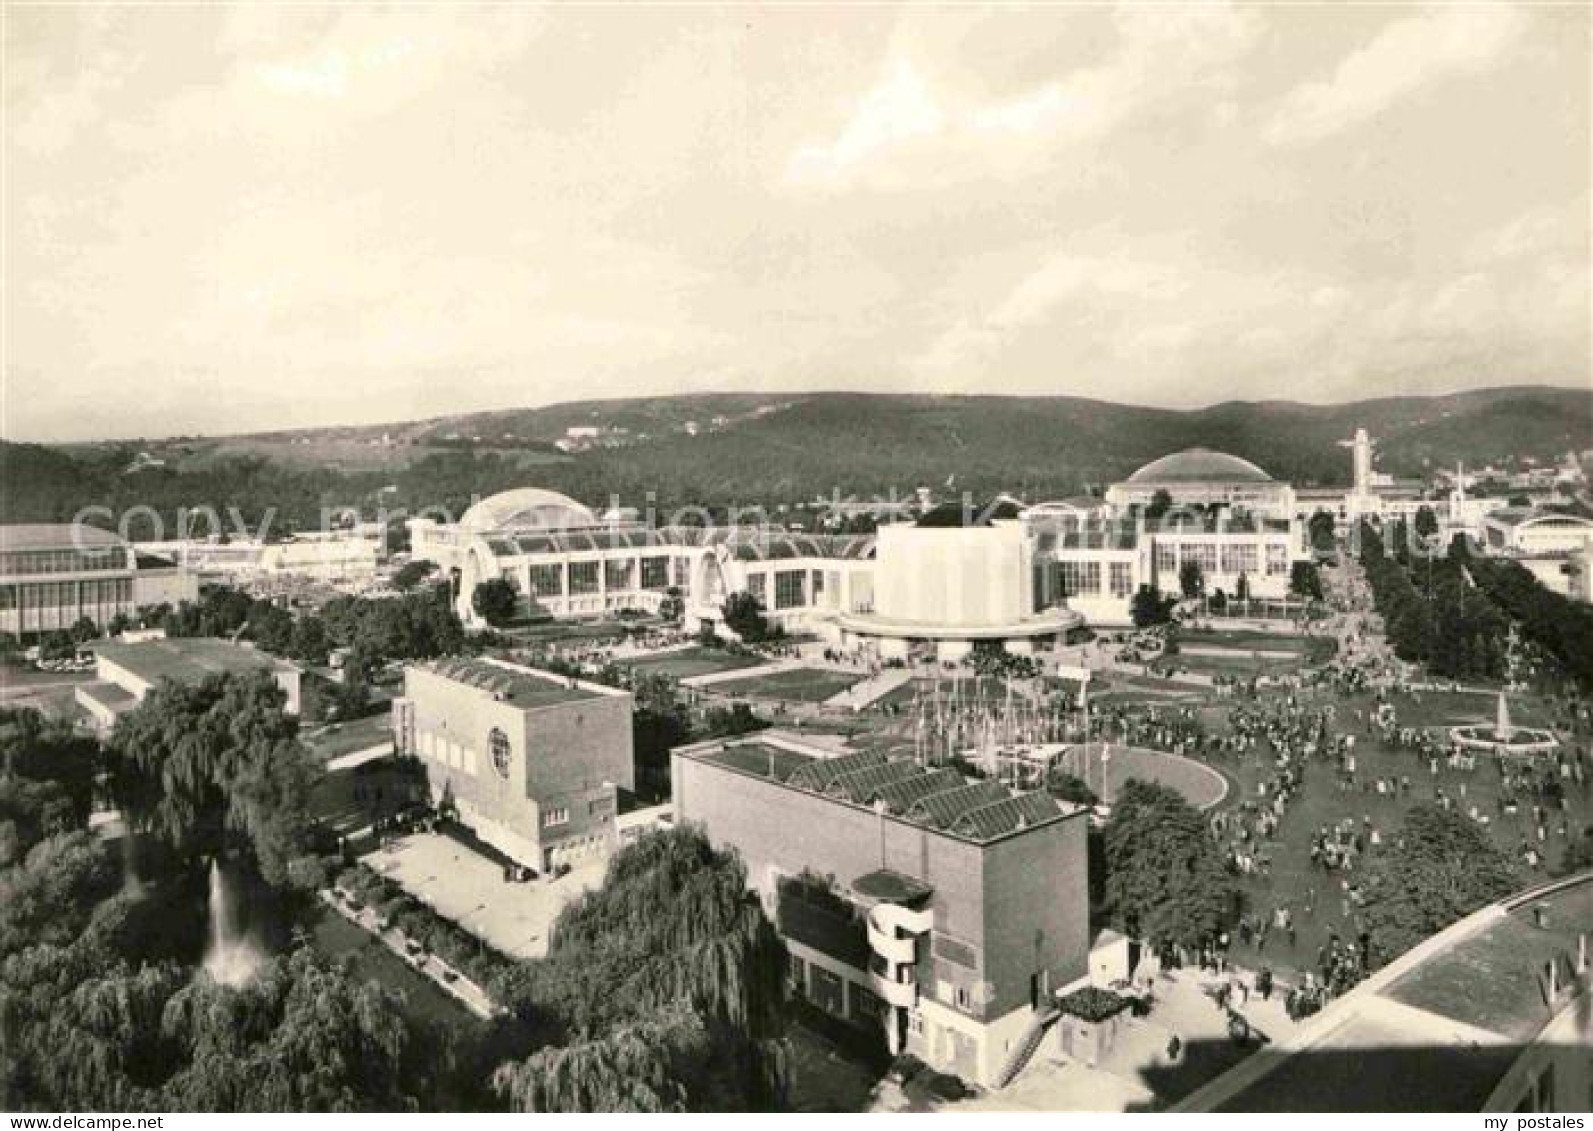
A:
{"x":498,"y":744}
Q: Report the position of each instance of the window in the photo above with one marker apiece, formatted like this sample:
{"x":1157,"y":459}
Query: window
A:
{"x":1166,"y":557}
{"x":555,"y":815}
{"x":498,"y":746}
{"x":546,"y":580}
{"x":655,"y":573}
{"x":682,"y":572}
{"x":962,"y":998}
{"x":583,"y":577}
{"x":788,"y":588}
{"x":1122,"y":579}
{"x":619,"y":574}
{"x":828,"y":991}
{"x":1277,"y":559}
{"x":1239,"y":559}
{"x":600,"y":807}
{"x":758,"y":586}
{"x":797,"y":970}
{"x":1080,"y":579}
{"x":1205,"y":553}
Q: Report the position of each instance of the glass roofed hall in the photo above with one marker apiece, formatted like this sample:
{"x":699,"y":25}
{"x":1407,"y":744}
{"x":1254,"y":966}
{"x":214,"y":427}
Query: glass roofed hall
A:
{"x":528,"y":508}
{"x":1200,"y":465}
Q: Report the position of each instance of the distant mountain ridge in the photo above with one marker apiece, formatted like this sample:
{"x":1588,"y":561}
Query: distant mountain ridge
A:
{"x":789,"y":447}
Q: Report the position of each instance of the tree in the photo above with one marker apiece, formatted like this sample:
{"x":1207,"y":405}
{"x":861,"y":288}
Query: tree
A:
{"x":1150,"y":608}
{"x":743,"y":615}
{"x":495,"y":601}
{"x":1305,"y":581}
{"x":653,"y":1065}
{"x":412,"y":573}
{"x":1241,"y":589}
{"x":673,"y":606}
{"x":1164,"y":875}
{"x":1161,"y":502}
{"x":309,"y":643}
{"x":1441,"y":868}
{"x":670,"y":978}
{"x":1067,"y":787}
{"x":1426,"y":522}
{"x":215,"y":765}
{"x":1322,"y":526}
{"x":1191,"y":579}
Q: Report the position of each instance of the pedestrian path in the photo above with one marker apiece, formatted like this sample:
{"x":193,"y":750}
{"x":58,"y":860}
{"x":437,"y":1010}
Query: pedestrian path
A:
{"x":875,"y":687}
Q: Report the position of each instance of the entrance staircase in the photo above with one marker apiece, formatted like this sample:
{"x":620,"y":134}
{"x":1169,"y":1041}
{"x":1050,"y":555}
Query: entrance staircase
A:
{"x":1044,"y":1017}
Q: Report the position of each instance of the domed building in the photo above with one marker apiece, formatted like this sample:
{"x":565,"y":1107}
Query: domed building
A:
{"x":1205,"y":478}
{"x":566,"y":562}
{"x":527,"y":508}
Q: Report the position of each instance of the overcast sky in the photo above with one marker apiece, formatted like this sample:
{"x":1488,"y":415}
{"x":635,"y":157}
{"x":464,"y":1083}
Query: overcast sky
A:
{"x":247,"y":218}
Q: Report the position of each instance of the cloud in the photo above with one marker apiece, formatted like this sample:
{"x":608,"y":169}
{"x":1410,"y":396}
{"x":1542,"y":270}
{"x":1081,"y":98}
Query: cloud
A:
{"x":361,"y":64}
{"x":895,"y":112}
{"x":1405,"y":57}
{"x":1159,"y":57}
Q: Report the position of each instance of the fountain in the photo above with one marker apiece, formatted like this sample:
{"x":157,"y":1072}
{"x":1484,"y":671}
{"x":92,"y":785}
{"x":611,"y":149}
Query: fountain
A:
{"x":1502,"y":730}
{"x":231,"y":960}
{"x":1504,"y":737}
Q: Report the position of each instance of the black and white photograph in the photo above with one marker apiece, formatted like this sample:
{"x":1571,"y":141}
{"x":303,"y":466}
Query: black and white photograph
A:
{"x":808,"y":558}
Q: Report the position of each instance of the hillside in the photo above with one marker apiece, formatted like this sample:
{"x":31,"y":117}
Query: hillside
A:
{"x":768,"y":448}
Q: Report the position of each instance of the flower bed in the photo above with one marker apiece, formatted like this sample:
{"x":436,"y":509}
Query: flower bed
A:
{"x":421,"y":925}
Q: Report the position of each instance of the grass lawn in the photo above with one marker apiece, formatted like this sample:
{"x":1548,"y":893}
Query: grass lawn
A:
{"x":1452,"y":708}
{"x":690,"y":662}
{"x":793,"y":685}
{"x":1321,"y":802}
{"x":1239,"y":664}
{"x":1245,"y":639}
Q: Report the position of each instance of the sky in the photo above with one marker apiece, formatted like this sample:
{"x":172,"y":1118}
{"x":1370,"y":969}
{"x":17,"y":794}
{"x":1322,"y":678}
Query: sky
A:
{"x":223,"y":219}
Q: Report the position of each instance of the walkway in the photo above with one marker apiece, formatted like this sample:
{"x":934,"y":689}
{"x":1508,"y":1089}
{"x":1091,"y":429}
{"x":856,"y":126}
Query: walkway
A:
{"x":451,"y":981}
{"x":875,"y":687}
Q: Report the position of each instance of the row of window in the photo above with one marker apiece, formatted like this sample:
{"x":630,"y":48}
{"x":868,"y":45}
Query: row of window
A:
{"x":66,"y":594}
{"x":18,"y":563}
{"x":619,"y":575}
{"x":1083,"y":579}
{"x":1230,"y":559}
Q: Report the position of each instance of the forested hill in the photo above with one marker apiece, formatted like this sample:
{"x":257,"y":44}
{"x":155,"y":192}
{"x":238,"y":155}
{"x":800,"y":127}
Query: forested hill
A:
{"x":770,"y":448}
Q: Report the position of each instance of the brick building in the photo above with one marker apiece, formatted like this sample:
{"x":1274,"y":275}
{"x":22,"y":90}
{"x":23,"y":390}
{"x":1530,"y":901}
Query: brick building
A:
{"x":945,"y":911}
{"x":532,"y":762}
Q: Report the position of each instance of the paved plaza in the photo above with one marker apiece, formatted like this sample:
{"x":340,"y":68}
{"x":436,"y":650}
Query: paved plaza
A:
{"x":468,"y":888}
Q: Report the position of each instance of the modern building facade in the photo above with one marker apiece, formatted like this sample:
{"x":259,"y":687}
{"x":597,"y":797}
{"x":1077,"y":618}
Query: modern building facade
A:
{"x":125,"y":673}
{"x":52,"y":576}
{"x":959,"y":574}
{"x":533,"y":763}
{"x":946,"y":912}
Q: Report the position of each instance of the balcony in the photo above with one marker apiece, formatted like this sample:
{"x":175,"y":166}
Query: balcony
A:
{"x":903,"y":995}
{"x":890,"y":946}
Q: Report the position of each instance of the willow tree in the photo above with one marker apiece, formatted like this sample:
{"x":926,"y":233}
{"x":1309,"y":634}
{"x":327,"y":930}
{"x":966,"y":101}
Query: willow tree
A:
{"x":672,"y":932}
{"x":202,"y":766}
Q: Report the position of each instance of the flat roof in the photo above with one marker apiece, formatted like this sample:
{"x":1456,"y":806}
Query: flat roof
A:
{"x":1489,"y":979}
{"x":936,"y":798}
{"x":107,"y":695}
{"x":55,"y":536}
{"x":1436,"y":1029}
{"x":527,"y":688}
{"x":187,"y":659}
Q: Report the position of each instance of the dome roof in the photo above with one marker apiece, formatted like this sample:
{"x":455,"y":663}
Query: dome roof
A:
{"x":1200,"y":465}
{"x":528,"y":508}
